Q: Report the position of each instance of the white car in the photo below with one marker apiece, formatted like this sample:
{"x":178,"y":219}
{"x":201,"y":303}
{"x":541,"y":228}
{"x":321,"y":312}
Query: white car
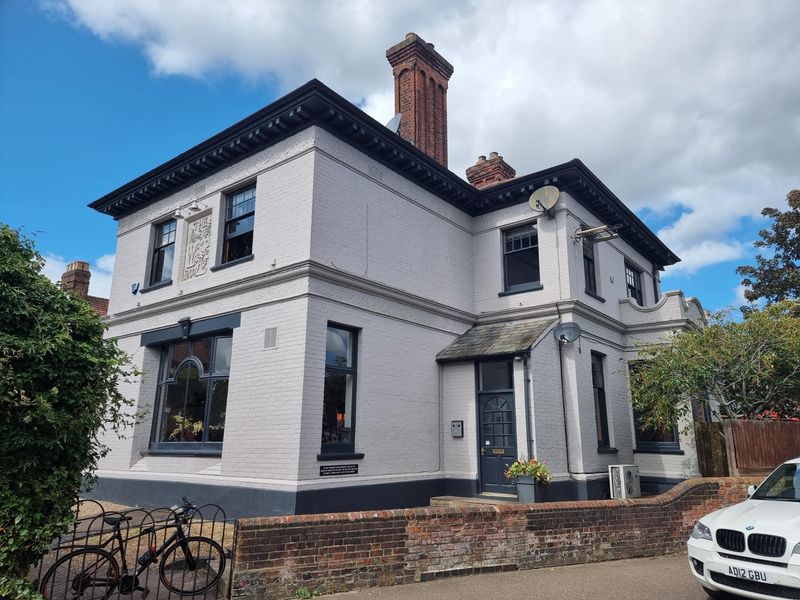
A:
{"x":752,"y":549}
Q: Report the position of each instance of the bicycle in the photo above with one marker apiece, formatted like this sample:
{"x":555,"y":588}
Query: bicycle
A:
{"x":93,"y":572}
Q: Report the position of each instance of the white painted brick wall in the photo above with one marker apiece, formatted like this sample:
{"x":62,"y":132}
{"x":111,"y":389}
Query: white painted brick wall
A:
{"x":402,"y":236}
{"x":266,"y":390}
{"x":282,"y":231}
{"x":397,"y":402}
{"x":459,"y":404}
{"x":319,"y":199}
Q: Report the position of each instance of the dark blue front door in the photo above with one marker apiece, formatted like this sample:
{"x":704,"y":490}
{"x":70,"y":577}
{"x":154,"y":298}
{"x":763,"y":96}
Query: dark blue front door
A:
{"x":498,"y":440}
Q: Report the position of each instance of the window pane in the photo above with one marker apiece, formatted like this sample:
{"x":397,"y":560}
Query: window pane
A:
{"x":241,"y":203}
{"x":166,"y":270}
{"x":656,"y":435}
{"x":165,"y":234}
{"x":496,"y":375}
{"x":522,"y":267}
{"x":337,"y":409}
{"x":196,"y":394}
{"x":514,"y":237}
{"x":172,"y":408}
{"x":179,"y":352}
{"x":240,"y":226}
{"x":222,"y":358}
{"x":338,"y":348}
{"x":238,"y":247}
{"x":201,"y":349}
{"x":216,"y":420}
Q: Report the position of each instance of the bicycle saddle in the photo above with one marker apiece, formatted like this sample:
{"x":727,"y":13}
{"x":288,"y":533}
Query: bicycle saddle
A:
{"x":115,"y":520}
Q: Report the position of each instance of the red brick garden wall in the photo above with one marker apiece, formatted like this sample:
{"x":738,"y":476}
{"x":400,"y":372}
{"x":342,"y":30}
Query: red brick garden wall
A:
{"x":343,"y":551}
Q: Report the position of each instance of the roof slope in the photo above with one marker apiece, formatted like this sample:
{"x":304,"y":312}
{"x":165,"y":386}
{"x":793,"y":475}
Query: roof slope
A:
{"x":495,"y":339}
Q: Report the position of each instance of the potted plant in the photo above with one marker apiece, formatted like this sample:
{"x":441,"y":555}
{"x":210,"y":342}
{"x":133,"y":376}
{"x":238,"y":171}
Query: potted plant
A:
{"x":527,"y":474}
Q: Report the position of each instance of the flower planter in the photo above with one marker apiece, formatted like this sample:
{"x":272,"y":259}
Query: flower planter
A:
{"x":526,"y":490}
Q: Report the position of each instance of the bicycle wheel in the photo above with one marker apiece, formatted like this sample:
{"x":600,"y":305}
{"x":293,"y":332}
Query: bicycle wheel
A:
{"x":192,"y":566}
{"x":87,"y":573}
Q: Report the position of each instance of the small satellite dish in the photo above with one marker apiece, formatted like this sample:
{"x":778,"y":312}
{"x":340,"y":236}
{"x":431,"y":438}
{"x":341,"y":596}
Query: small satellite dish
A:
{"x":394,"y":123}
{"x":566,"y":333}
{"x":544,"y":198}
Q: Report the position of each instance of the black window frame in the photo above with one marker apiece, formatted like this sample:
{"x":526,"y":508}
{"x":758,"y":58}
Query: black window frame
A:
{"x":507,"y":363}
{"x":159,"y":250}
{"x":589,"y":268}
{"x":342,"y":448}
{"x":534,"y":247}
{"x":165,"y":379}
{"x":633,"y":283}
{"x":600,"y":402}
{"x":651,"y":446}
{"x":231,"y":219}
{"x":656,"y":285}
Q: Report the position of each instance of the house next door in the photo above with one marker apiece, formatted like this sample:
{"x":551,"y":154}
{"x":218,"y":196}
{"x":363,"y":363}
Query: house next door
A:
{"x":498,"y":440}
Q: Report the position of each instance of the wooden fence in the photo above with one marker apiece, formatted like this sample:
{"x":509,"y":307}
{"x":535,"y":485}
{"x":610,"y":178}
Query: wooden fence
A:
{"x":744,"y":447}
{"x":711,"y":452}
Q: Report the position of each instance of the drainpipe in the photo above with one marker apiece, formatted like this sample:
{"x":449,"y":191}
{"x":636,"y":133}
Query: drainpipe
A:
{"x":526,"y":377}
{"x":564,"y":404}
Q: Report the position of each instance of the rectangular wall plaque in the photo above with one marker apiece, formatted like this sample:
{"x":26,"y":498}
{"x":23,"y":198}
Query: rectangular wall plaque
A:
{"x":328,"y":470}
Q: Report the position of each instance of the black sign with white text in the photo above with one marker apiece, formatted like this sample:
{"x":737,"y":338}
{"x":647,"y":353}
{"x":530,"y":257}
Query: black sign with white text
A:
{"x":329,"y":470}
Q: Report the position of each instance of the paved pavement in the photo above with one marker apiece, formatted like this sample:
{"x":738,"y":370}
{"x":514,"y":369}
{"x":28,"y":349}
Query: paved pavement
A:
{"x":661,"y":578}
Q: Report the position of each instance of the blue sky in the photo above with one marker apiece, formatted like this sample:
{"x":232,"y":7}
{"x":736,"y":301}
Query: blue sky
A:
{"x":693,"y":132}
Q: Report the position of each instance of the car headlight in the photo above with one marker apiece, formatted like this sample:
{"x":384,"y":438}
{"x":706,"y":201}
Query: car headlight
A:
{"x":701,"y":532}
{"x":796,"y":549}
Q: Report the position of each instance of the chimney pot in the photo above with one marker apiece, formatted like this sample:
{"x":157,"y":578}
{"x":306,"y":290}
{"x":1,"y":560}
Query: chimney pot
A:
{"x":485,"y":173}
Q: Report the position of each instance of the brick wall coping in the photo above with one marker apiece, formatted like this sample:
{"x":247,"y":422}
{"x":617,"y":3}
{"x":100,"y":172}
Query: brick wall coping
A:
{"x":669,"y":497}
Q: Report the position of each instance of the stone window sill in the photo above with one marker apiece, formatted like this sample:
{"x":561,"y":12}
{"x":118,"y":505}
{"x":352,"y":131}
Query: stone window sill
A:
{"x":532,"y":288}
{"x":595,"y":296}
{"x":233,"y":263}
{"x":156,"y":286}
{"x":676,"y":451}
{"x":323,"y":456}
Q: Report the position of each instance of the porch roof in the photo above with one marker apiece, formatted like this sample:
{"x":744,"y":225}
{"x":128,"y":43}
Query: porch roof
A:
{"x":508,"y":338}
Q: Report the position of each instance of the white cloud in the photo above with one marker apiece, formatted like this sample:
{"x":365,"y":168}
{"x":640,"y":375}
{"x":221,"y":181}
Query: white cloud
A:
{"x":704,"y":253}
{"x":675,"y":105}
{"x":54,"y":267}
{"x":102,"y":268}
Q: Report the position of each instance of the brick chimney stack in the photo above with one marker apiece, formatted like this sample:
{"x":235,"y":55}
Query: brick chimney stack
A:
{"x":489,"y":172}
{"x":76,"y":278}
{"x":420,"y":94}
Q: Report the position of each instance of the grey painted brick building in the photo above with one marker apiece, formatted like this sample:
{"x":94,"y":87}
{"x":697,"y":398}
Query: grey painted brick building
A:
{"x":327,"y":318}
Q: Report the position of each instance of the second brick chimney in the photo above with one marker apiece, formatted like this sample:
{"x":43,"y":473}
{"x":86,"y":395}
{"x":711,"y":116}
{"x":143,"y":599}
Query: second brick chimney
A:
{"x":75,"y":280}
{"x":420,"y":94}
{"x":490,"y":171}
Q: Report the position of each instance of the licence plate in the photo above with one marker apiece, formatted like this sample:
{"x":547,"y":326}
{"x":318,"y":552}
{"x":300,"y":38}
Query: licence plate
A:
{"x":749,"y":574}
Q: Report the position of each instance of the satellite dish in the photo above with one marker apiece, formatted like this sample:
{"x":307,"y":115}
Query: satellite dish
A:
{"x":394,"y":123}
{"x":544,"y":198}
{"x":566,"y":333}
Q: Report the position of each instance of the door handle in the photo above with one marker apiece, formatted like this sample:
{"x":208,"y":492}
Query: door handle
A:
{"x":483,"y":452}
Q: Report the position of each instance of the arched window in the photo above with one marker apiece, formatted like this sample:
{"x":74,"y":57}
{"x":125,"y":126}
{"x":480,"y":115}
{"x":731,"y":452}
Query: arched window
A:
{"x":192,"y":394}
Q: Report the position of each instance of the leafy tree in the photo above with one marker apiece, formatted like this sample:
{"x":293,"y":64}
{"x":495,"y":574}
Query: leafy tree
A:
{"x":739,"y":369}
{"x":776,"y":277}
{"x":58,"y":391}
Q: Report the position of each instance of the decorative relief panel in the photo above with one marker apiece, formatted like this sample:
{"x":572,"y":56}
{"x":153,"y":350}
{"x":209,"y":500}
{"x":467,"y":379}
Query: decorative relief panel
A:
{"x":198,"y":247}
